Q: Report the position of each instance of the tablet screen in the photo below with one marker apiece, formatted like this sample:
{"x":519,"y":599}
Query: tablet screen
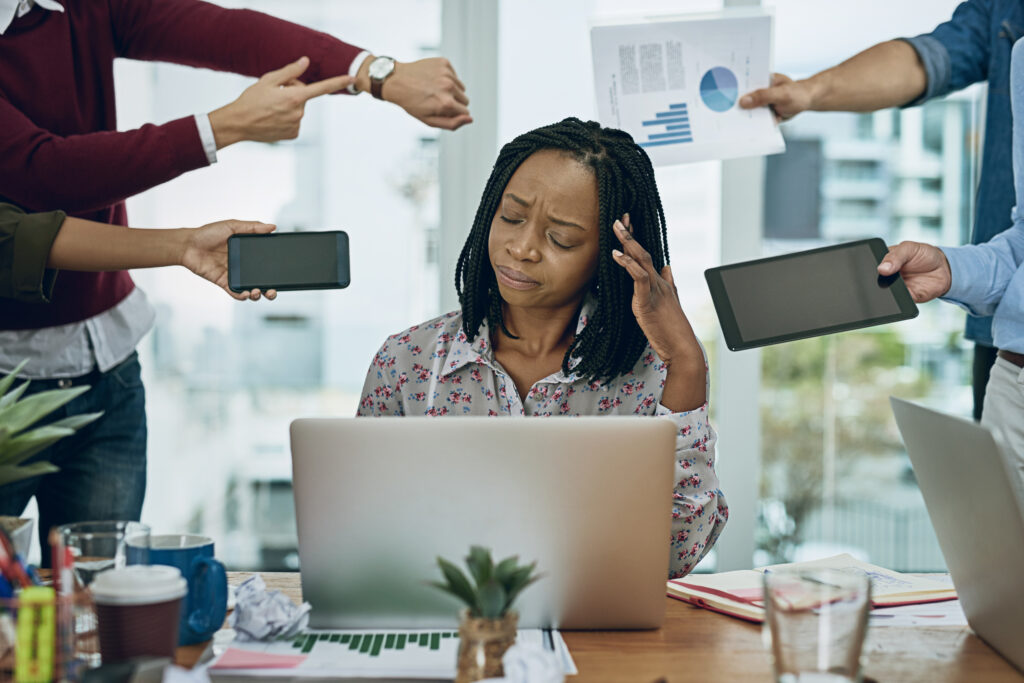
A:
{"x":808,"y":293}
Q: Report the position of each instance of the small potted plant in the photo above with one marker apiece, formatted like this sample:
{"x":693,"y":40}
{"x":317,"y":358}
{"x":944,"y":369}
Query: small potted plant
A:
{"x":18,"y":443}
{"x":487,"y":625}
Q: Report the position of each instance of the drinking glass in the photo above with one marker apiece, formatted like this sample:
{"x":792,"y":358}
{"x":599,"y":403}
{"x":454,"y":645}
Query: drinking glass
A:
{"x":815,"y":623}
{"x":96,"y":547}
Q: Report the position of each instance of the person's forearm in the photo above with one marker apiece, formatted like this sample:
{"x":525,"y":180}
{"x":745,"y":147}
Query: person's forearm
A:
{"x":85,"y":172}
{"x":89,"y":246}
{"x":889,"y":74}
{"x":685,"y":384}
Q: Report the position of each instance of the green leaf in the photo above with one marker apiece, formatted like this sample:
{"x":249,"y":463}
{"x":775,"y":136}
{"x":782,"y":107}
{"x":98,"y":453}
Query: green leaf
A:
{"x":9,"y":475}
{"x":76,"y":422}
{"x":480,"y":564}
{"x":522,"y":578}
{"x":11,"y":396}
{"x":458,"y":584}
{"x":7,"y":381}
{"x":503,"y":572}
{"x":22,"y":447}
{"x":491,"y":600}
{"x":28,"y":411}
{"x":448,"y":589}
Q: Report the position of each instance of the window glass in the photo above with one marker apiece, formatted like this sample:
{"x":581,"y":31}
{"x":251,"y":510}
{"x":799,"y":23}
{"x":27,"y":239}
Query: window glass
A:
{"x":835,"y":475}
{"x":225,"y":378}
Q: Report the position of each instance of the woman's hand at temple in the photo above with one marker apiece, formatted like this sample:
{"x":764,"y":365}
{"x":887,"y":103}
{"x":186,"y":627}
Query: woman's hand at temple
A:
{"x":205,"y":253}
{"x":660,"y":316}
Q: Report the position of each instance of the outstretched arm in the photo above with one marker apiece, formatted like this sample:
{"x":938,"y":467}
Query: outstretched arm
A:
{"x":86,"y":245}
{"x":889,"y":74}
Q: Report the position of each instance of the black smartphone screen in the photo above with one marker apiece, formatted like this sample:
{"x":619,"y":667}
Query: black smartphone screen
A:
{"x":298,"y":260}
{"x":806,"y":294}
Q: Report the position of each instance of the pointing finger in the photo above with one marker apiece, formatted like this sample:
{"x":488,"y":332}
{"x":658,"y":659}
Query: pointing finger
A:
{"x":287,"y":73}
{"x":327,"y":86}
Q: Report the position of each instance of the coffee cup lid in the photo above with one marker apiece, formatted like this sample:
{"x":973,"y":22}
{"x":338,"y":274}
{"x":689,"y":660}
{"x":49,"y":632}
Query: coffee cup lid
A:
{"x":138,"y":585}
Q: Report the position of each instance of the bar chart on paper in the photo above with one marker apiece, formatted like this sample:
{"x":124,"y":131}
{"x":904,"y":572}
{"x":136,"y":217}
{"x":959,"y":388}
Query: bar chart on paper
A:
{"x":412,"y":654}
{"x":669,"y":127}
{"x":674,"y":84}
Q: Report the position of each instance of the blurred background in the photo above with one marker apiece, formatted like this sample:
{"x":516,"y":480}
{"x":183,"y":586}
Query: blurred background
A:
{"x":810,"y":458}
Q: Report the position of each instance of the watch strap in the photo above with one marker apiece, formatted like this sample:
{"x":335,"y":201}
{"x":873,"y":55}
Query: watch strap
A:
{"x":376,"y":86}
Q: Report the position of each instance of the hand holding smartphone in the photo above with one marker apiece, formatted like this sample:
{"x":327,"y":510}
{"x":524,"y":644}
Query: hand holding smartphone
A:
{"x":288,"y":261}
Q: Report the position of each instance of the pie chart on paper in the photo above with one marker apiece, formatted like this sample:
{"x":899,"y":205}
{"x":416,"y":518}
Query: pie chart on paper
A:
{"x":719,"y":89}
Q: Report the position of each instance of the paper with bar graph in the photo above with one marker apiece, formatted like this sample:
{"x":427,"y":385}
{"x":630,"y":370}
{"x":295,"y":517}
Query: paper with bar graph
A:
{"x":673,"y":84}
{"x":382,"y":653}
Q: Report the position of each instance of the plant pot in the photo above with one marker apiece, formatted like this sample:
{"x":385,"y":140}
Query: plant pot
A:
{"x":20,"y":531}
{"x":482,"y":644}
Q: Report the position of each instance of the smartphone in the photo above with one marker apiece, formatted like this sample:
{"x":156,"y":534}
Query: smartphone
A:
{"x":288,"y":261}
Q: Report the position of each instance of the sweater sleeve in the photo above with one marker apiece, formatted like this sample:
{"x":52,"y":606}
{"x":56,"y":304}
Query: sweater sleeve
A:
{"x":40,"y":170}
{"x":202,"y":34}
{"x":25,"y":243}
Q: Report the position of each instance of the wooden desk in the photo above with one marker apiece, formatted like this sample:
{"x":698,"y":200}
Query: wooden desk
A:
{"x":698,"y":645}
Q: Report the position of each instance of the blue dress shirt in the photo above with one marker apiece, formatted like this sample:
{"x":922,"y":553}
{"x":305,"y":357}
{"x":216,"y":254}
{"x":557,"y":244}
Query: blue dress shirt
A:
{"x":988,"y":278}
{"x":975,"y":46}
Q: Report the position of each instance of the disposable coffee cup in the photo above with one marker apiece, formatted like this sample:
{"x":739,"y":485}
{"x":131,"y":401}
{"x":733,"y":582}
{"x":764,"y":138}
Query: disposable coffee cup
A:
{"x":137,"y":610}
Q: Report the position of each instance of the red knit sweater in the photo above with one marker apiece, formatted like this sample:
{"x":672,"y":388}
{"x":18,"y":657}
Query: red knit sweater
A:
{"x":59,"y":148}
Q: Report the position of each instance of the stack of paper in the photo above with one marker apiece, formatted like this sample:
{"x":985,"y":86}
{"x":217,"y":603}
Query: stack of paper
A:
{"x":394,"y":654}
{"x":739,"y":593}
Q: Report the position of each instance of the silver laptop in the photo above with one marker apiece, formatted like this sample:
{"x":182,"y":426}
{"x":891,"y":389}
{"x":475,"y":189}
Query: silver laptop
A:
{"x":377,"y":500}
{"x":969,"y":489}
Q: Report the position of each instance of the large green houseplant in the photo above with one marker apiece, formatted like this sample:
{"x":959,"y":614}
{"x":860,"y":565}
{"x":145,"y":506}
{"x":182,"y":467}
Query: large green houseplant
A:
{"x":487,"y":626}
{"x":18,"y":442}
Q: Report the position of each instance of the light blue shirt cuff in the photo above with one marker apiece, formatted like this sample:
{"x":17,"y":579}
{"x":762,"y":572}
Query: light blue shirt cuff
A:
{"x":969,"y":281}
{"x":937,"y":66}
{"x":353,"y":69}
{"x":206,"y":137}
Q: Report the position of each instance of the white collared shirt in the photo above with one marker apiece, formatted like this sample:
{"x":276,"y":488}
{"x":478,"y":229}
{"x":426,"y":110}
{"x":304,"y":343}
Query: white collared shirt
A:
{"x":12,"y":9}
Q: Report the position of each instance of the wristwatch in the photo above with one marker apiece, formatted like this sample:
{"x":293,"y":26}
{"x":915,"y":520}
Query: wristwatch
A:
{"x":380,"y":70}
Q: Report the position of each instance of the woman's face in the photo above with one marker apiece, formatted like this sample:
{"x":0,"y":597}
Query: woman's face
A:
{"x":544,"y":236}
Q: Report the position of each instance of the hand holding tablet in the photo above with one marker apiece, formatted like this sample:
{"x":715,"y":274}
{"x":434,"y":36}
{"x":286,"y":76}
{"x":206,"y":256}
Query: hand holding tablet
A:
{"x":807,"y":294}
{"x":924,"y":269}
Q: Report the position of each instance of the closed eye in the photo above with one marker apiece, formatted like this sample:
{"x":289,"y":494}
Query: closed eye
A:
{"x":513,"y":221}
{"x":557,"y":243}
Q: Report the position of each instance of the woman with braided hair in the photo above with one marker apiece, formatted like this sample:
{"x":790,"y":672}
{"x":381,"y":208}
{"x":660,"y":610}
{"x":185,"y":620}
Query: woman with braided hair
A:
{"x":568,"y":307}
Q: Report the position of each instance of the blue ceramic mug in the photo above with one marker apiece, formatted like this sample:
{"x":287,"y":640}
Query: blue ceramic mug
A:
{"x":204,"y":608}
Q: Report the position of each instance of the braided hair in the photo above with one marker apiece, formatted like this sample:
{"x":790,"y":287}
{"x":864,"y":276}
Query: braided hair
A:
{"x":612,"y":341}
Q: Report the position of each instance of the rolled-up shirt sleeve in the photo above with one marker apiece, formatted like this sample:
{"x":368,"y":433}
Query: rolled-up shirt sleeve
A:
{"x":25,"y":243}
{"x":956,"y":54}
{"x":699,"y":510}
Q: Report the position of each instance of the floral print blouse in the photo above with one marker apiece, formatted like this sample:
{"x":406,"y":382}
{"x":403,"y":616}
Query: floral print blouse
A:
{"x":433,"y":369}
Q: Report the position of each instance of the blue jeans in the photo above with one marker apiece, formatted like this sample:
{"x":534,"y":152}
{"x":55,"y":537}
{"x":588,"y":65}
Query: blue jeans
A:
{"x":102,"y":466}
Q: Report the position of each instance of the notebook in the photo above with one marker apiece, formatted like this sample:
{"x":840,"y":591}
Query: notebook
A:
{"x":739,"y":593}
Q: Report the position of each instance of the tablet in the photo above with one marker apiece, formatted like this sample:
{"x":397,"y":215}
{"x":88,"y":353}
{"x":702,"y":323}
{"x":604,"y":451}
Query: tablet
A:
{"x":807,"y":294}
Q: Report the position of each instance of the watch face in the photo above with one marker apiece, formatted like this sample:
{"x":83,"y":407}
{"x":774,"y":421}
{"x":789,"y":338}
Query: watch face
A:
{"x":381,"y":68}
